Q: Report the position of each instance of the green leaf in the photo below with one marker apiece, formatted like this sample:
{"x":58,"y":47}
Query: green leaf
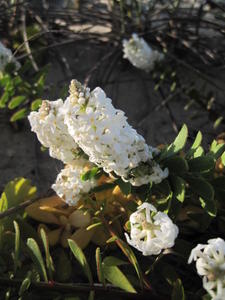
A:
{"x":201,"y":164}
{"x":100,"y":271}
{"x":178,"y":291}
{"x":16,"y":101}
{"x":4,"y":99}
{"x":17,"y":246}
{"x":197,"y":141}
{"x":124,"y":186}
{"x":20,"y":114}
{"x":217,"y":122}
{"x":223,"y":159}
{"x":94,"y":225}
{"x":177,"y":165}
{"x":117,"y":278}
{"x":24,"y":286}
{"x":80,"y":257}
{"x":198,"y":152}
{"x":103,"y":187}
{"x":48,"y":258}
{"x":90,"y":174}
{"x":110,"y":261}
{"x":37,"y":258}
{"x":132,"y":258}
{"x":63,"y":266}
{"x":15,"y":192}
{"x":35,"y":105}
{"x":196,"y":144}
{"x":177,"y":145}
{"x":217,"y":149}
{"x":178,"y":188}
{"x":169,"y":273}
{"x":206,"y":192}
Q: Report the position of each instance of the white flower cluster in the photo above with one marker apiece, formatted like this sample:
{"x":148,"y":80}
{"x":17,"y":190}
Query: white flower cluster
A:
{"x":7,"y":57}
{"x":151,"y":231}
{"x":69,"y":185}
{"x":140,"y":54}
{"x":88,"y":124}
{"x":48,"y":124}
{"x":210,"y":263}
{"x":103,"y":133}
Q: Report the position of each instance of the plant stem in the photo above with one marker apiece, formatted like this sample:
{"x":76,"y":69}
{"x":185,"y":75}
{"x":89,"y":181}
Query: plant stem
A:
{"x":78,"y":287}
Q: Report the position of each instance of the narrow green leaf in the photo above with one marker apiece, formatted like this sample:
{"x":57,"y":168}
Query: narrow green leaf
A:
{"x":178,"y":188}
{"x":35,"y":105}
{"x":177,"y":145}
{"x":24,"y":286}
{"x":100,"y":271}
{"x":16,"y":101}
{"x":94,"y":225}
{"x":80,"y":257}
{"x":17,"y":246}
{"x":198,"y":152}
{"x":197,"y":143}
{"x":117,"y":278}
{"x":63,"y":266}
{"x":132,"y":258}
{"x":176,"y":164}
{"x":37,"y":258}
{"x":103,"y":187}
{"x":178,"y":291}
{"x":206,"y":192}
{"x":15,"y":192}
{"x":20,"y":114}
{"x":124,"y":186}
{"x":217,"y":122}
{"x":217,"y":149}
{"x":90,"y":174}
{"x":4,"y":99}
{"x":48,"y":258}
{"x":223,"y":159}
{"x":201,"y":164}
{"x":111,"y":261}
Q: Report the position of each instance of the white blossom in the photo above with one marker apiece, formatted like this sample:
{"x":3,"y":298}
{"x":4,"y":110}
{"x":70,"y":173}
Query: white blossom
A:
{"x":6,"y":57}
{"x":151,"y":231}
{"x":69,"y":185}
{"x":140,"y":54}
{"x":48,"y":124}
{"x":210,"y":263}
{"x":103,"y":133}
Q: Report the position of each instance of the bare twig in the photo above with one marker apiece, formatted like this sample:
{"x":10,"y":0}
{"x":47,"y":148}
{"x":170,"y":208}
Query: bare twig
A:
{"x":79,"y":287}
{"x":26,"y":42}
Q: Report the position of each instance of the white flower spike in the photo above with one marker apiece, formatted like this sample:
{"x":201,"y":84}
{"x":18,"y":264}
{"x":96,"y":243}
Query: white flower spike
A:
{"x":48,"y":124}
{"x":104,"y":135}
{"x":140,"y":54}
{"x":151,"y":230}
{"x":69,"y":185}
{"x":210,"y":263}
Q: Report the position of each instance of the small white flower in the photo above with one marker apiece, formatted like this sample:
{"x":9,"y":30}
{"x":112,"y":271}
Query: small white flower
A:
{"x":140,"y":54}
{"x":210,"y":263}
{"x":69,"y":185}
{"x":151,"y":231}
{"x":48,"y":124}
{"x":6,"y":57}
{"x":105,"y":136}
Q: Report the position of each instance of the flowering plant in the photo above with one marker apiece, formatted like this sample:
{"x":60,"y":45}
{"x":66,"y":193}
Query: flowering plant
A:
{"x":116,"y":190}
